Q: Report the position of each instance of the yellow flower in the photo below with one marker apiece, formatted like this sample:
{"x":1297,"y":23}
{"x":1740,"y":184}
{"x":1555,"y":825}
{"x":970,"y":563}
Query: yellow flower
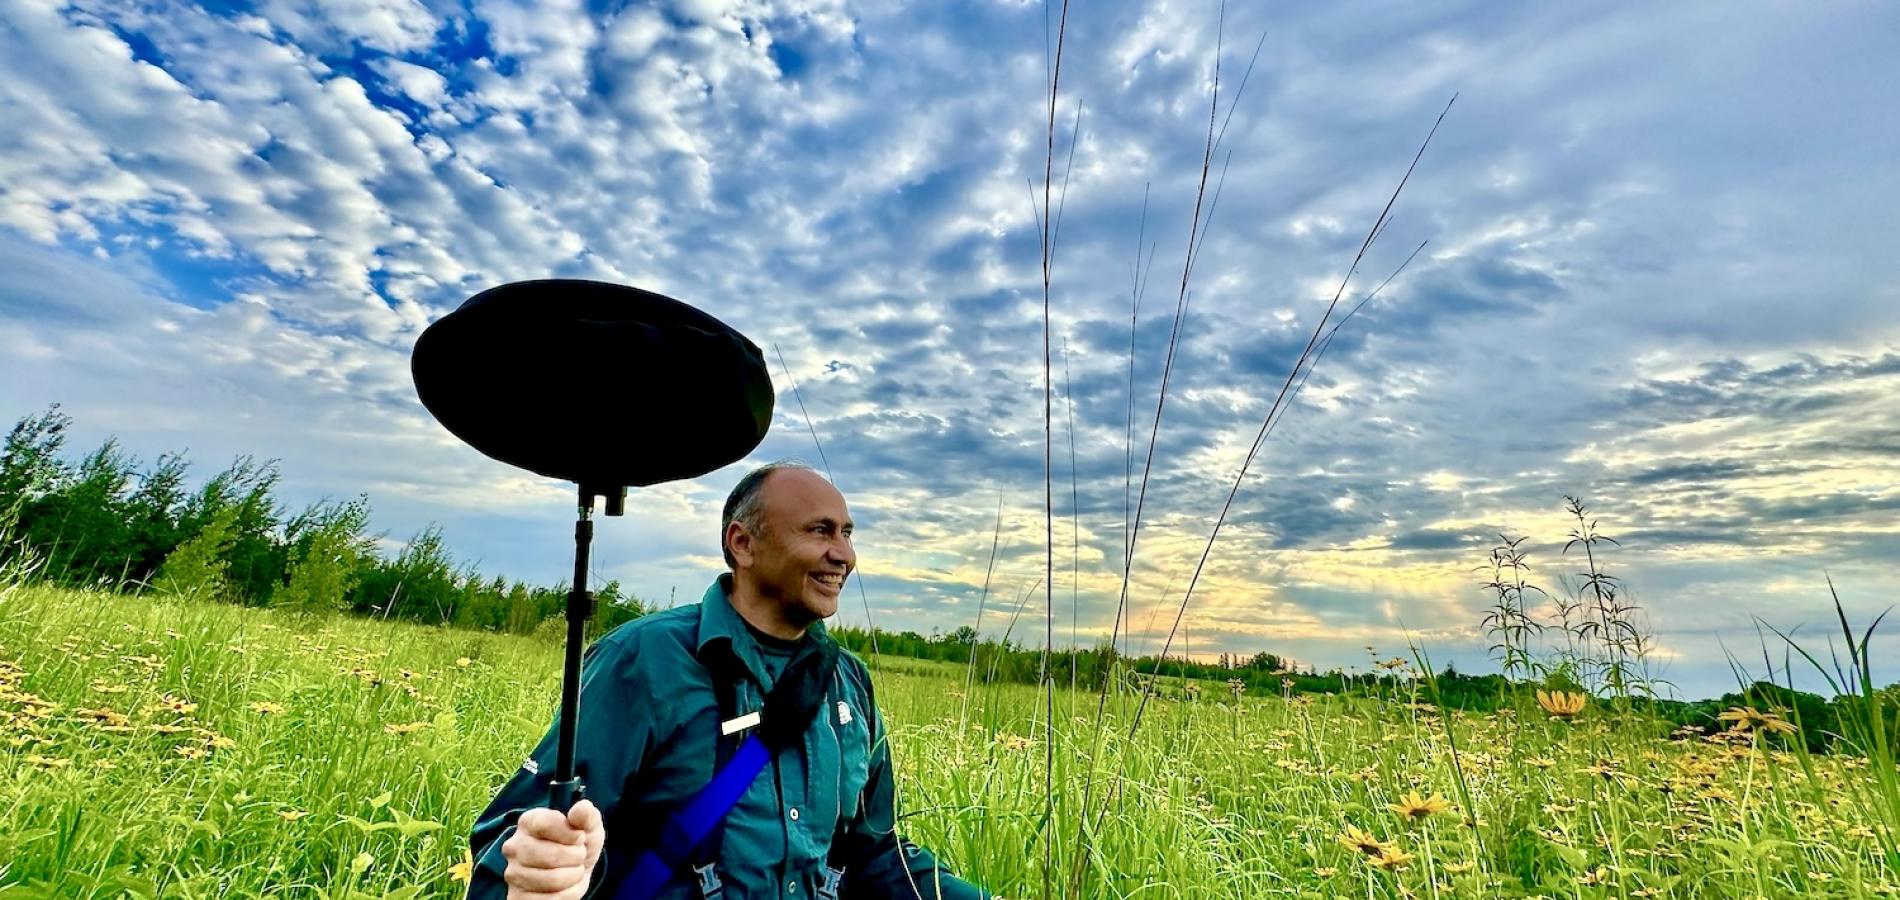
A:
{"x":1598,"y":876}
{"x":1460,"y":868}
{"x":1014,"y":742}
{"x":173,"y":705}
{"x":1748,"y":718}
{"x":406,"y":728}
{"x":1541,"y":762}
{"x":1562,"y":704}
{"x":463,"y":662}
{"x":1415,"y":808}
{"x":463,"y":870}
{"x":189,"y":752}
{"x":266,"y":708}
{"x":1603,"y":768}
{"x":101,"y":716}
{"x":47,"y":762}
{"x":291,"y":815}
{"x":1361,"y":842}
{"x":1391,"y":858}
{"x":100,"y":685}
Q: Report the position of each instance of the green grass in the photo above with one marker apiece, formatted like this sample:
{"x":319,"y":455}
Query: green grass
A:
{"x":388,"y":743}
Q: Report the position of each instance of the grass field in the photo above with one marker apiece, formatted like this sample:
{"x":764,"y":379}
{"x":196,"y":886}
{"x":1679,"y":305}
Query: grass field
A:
{"x":154,"y":747}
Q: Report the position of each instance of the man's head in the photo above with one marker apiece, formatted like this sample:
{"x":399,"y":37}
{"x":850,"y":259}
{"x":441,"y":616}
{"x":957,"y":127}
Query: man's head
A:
{"x":786,"y":534}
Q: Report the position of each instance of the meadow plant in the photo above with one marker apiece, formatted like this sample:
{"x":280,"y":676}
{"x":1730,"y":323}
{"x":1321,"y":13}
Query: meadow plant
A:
{"x":1508,"y":622}
{"x":1612,"y":638}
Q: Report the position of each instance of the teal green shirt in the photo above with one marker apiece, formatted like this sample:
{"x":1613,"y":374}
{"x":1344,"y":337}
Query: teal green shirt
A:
{"x":647,"y":741}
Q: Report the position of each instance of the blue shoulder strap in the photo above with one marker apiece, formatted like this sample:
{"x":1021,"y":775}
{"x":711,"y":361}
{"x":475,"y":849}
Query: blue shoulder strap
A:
{"x":686,"y":829}
{"x":788,"y":710}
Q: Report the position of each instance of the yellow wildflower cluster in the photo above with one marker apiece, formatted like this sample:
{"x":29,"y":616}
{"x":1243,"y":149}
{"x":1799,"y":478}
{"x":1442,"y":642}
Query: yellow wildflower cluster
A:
{"x":1377,"y":853}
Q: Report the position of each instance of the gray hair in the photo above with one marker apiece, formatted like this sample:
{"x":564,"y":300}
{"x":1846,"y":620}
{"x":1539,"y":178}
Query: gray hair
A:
{"x":746,"y":504}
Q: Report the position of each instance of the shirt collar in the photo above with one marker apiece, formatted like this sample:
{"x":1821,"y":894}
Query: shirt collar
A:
{"x":720,"y":623}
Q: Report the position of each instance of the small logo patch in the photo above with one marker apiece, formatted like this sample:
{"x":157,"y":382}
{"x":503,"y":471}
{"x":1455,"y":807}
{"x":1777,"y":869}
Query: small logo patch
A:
{"x":531,"y":767}
{"x":844,"y":713}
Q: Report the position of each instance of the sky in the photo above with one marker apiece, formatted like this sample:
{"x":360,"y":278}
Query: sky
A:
{"x":1658,"y":275}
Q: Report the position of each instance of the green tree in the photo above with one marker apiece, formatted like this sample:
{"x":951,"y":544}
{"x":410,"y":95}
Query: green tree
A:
{"x":81,"y":524}
{"x":198,"y":568}
{"x":30,"y":468}
{"x":152,"y":517}
{"x":327,"y":545}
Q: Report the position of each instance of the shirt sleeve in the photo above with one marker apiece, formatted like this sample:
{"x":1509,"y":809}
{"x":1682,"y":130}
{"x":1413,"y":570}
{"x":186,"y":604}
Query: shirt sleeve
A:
{"x":613,"y":736}
{"x":877,"y":863}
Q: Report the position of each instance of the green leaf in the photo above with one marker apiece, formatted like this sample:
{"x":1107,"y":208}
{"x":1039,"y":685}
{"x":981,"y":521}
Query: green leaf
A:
{"x":368,"y":827}
{"x":381,"y":800}
{"x":1570,"y":855}
{"x":414,"y":827}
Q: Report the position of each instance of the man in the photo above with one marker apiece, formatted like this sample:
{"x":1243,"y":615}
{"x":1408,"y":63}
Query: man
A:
{"x":817,"y":822}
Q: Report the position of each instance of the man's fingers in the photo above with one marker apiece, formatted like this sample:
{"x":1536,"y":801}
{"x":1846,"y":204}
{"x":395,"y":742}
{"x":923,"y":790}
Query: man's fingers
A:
{"x":549,"y":825}
{"x":530,"y":851}
{"x":584,"y":817}
{"x":524,"y":850}
{"x":547,"y":881}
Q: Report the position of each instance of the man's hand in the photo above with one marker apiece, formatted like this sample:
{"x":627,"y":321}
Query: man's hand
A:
{"x":550,"y":856}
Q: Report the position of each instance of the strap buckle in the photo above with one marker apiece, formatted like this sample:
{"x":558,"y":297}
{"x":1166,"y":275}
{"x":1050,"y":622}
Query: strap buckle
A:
{"x":709,"y":886}
{"x":828,"y":888}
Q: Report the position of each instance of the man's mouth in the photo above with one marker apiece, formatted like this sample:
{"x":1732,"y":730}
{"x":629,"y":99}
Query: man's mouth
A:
{"x":831,"y":580}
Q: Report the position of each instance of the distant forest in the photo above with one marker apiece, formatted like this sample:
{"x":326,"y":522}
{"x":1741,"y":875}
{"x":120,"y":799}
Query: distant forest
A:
{"x":108,"y":521}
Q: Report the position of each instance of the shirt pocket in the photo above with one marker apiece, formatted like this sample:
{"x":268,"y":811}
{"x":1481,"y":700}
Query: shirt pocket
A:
{"x":852,"y":724}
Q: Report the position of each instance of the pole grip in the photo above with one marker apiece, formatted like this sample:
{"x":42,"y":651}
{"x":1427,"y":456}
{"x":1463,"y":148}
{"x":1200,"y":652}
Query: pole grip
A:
{"x":562,"y":795}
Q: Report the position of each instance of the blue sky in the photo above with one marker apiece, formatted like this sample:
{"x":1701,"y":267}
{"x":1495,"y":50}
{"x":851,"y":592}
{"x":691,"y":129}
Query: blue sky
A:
{"x":1660,"y":276}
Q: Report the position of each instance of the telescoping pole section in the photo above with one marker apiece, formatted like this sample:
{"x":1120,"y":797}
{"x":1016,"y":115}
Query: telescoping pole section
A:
{"x":566,"y":790}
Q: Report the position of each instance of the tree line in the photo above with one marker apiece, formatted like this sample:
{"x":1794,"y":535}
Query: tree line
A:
{"x":109,"y":521}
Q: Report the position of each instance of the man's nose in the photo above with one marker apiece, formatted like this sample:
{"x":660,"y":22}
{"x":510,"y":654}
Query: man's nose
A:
{"x":843,"y":553}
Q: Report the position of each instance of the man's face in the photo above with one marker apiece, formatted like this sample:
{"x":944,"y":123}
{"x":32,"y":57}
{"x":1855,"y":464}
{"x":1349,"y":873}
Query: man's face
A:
{"x":803,"y":555}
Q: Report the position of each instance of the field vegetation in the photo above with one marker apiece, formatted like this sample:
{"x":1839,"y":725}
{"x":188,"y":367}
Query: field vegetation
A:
{"x":172,"y":725}
{"x":165,"y":745}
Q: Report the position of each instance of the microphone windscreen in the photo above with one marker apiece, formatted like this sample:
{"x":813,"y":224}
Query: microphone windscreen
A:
{"x":596,"y":383}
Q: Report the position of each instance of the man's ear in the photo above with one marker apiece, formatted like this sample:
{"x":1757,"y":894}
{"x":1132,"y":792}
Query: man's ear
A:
{"x":739,"y":541}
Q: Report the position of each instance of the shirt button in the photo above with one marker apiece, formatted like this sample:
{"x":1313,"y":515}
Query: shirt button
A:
{"x":791,"y":887}
{"x":794,"y":813}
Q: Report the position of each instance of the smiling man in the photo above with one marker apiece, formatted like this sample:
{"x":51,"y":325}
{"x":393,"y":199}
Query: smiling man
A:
{"x":662,"y":698}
